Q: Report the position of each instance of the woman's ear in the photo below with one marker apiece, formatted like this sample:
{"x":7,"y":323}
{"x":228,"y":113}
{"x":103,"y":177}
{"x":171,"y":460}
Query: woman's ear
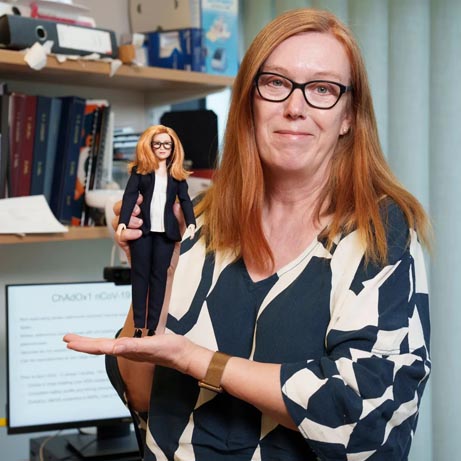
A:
{"x":344,"y":130}
{"x":345,"y":126}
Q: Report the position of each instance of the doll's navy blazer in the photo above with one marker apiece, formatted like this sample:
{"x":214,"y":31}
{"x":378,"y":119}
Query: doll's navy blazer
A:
{"x":144,"y":184}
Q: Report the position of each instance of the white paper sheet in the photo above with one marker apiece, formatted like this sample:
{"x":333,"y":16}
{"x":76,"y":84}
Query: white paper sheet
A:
{"x":28,"y":215}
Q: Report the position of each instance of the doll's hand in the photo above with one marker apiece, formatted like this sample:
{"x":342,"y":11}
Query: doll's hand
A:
{"x":191,"y":229}
{"x":120,"y":229}
{"x":132,"y":232}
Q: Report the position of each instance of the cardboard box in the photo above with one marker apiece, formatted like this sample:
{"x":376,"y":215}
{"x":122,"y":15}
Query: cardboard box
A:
{"x":218,"y":20}
{"x":165,"y":15}
{"x":179,"y":49}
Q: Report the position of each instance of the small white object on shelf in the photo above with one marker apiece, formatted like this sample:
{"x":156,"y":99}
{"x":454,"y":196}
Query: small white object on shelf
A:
{"x":28,"y":215}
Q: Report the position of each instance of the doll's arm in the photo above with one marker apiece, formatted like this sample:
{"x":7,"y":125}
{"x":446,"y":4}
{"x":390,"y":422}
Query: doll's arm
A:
{"x":186,"y":204}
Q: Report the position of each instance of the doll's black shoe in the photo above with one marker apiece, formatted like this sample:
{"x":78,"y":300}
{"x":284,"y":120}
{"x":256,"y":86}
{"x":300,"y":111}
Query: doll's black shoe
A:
{"x":137,"y":333}
{"x":150,"y":332}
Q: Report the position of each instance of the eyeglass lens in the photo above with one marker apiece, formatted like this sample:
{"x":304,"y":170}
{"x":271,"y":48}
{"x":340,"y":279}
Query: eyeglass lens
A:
{"x":319,"y":93}
{"x":166,"y":145}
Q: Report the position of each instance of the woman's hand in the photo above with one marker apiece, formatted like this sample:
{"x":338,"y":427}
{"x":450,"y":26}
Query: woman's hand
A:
{"x":124,"y":234}
{"x":169,"y":350}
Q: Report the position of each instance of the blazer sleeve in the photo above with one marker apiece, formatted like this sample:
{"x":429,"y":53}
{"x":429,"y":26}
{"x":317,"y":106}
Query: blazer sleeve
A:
{"x":129,"y":197}
{"x":361,"y":399}
{"x":186,"y":203}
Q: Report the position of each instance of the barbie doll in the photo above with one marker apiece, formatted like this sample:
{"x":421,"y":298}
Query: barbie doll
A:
{"x":158,"y":174}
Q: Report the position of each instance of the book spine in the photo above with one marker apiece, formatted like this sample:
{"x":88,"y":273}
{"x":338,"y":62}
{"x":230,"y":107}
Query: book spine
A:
{"x":4,"y":137}
{"x":83,"y":161}
{"x":69,"y":141}
{"x":16,"y":116}
{"x":99,"y":159}
{"x":51,"y":148}
{"x":26,"y":148}
{"x":41,"y":139}
{"x":91,"y":177}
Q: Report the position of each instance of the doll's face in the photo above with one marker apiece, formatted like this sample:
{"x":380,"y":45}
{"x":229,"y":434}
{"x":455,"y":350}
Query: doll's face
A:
{"x":162,"y":146}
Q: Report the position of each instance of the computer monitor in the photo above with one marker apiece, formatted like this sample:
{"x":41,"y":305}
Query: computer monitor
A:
{"x":50,"y":387}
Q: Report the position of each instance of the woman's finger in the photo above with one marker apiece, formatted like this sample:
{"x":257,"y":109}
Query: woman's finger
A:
{"x":180,"y":217}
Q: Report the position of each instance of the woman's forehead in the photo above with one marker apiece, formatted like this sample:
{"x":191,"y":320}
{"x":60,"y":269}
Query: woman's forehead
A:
{"x":317,"y":54}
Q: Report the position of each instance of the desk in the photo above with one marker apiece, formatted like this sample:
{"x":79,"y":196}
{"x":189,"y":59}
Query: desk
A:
{"x":58,"y":448}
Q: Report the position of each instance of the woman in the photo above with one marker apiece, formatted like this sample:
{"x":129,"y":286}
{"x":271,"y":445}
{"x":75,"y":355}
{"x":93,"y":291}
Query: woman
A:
{"x":158,"y":174}
{"x":306,"y":274}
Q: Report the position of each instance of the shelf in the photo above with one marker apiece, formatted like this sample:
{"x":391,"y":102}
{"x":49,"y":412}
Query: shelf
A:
{"x":75,"y":233}
{"x":169,"y":85}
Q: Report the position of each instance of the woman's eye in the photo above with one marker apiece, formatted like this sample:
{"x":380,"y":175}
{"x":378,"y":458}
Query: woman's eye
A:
{"x":323,"y":89}
{"x":275,"y":82}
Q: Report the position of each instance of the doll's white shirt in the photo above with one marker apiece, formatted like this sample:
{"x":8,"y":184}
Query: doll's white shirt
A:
{"x":158,"y":203}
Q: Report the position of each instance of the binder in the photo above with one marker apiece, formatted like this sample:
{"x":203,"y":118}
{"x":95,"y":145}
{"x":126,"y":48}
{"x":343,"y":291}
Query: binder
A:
{"x":18,"y":32}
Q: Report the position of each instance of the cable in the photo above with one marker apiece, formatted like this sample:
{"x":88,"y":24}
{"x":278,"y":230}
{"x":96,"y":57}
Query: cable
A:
{"x":45,"y":441}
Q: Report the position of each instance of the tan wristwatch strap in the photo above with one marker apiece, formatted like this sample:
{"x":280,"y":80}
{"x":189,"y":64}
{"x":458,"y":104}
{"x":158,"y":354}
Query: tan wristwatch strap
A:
{"x":212,"y":380}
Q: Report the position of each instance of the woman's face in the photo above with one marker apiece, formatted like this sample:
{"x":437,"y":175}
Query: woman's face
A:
{"x":291,"y":135}
{"x":162,"y":146}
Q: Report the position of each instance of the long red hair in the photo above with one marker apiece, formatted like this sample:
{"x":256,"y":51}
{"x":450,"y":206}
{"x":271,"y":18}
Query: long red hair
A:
{"x":146,"y":161}
{"x":360,"y":177}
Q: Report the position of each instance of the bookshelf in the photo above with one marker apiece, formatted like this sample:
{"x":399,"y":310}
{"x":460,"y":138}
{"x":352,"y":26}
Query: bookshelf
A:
{"x":164,"y":86}
{"x":75,"y":233}
{"x":167,"y":85}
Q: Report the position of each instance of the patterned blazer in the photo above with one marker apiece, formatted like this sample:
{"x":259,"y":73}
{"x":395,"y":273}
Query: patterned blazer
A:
{"x":352,"y":339}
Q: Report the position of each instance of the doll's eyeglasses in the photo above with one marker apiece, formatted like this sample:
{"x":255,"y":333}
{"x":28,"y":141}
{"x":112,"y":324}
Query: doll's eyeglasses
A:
{"x":166,"y":145}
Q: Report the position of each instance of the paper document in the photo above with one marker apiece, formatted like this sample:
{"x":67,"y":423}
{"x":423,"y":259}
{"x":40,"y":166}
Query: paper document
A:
{"x":28,"y":215}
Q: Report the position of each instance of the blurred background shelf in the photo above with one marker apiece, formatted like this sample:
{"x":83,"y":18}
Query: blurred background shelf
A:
{"x":75,"y":233}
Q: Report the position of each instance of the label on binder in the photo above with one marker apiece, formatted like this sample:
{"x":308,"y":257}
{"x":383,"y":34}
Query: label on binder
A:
{"x":79,"y":38}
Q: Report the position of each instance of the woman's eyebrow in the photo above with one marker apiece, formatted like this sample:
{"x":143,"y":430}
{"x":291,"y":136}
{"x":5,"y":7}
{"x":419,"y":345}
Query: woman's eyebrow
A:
{"x":315,"y":75}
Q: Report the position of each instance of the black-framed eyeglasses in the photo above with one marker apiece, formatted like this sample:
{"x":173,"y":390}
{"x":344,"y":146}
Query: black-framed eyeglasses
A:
{"x":321,"y":94}
{"x":166,"y":145}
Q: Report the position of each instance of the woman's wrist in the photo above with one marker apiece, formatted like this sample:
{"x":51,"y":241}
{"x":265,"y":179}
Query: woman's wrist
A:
{"x":198,"y":361}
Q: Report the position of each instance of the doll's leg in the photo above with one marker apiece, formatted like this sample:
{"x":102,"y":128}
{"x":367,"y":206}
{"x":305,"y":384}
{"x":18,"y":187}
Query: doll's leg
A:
{"x":141,"y":260}
{"x":161,"y":253}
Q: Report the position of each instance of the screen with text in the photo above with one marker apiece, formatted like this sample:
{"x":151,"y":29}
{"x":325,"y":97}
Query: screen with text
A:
{"x":48,"y":383}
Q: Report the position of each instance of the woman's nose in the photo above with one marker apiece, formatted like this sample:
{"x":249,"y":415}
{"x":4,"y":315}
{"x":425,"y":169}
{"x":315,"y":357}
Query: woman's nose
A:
{"x":296,"y":105}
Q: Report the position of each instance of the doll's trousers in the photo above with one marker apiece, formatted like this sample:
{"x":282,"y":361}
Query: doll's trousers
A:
{"x":150,"y":258}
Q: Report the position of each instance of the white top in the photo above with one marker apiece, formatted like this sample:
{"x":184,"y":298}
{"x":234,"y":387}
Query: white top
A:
{"x":158,"y":203}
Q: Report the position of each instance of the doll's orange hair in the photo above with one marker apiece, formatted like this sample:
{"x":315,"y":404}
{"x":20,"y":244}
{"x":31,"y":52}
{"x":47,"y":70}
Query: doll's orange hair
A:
{"x":146,"y":161}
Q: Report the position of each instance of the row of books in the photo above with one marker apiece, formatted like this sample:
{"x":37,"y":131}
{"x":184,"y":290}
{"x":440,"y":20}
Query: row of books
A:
{"x":53,"y":146}
{"x":125,"y":141}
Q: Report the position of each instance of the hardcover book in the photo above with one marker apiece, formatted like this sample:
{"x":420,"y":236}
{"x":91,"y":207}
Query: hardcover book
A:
{"x":17,"y":117}
{"x":51,"y":146}
{"x":89,"y":135}
{"x":4,"y":137}
{"x":42,"y":121}
{"x":65,"y":170}
{"x":26,"y":148}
